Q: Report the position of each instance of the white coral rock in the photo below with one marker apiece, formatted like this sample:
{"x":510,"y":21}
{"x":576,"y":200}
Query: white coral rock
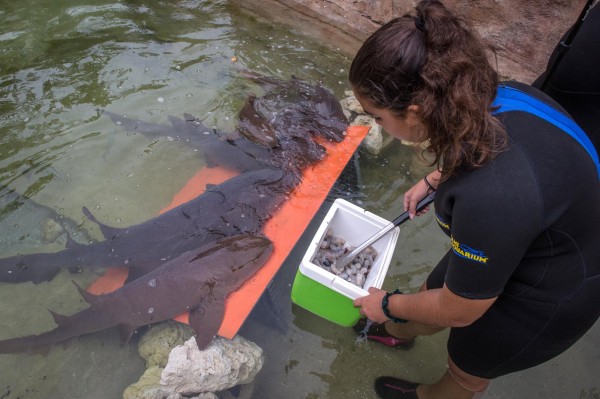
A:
{"x":222,"y":365}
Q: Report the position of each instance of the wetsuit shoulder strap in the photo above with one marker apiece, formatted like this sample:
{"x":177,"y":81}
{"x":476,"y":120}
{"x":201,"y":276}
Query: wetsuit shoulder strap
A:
{"x":512,"y":99}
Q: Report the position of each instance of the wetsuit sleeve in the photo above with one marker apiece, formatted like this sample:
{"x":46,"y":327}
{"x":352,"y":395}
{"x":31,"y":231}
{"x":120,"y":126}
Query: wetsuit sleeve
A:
{"x":493,"y":225}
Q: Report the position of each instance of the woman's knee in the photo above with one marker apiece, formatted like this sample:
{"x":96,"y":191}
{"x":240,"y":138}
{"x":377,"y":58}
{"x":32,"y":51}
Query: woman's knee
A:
{"x":468,"y":381}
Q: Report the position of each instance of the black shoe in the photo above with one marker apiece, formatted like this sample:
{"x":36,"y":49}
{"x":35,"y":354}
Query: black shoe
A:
{"x":395,"y":388}
{"x":377,"y":332}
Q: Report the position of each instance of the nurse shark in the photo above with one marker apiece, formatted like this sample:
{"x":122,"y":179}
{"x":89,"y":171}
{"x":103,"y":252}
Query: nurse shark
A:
{"x":277,"y":138}
{"x":196,"y":281}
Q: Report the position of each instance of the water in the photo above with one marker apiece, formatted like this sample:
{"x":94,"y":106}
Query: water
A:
{"x":61,"y":63}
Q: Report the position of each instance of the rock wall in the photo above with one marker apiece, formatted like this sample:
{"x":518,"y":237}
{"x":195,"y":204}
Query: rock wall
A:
{"x":521,"y":33}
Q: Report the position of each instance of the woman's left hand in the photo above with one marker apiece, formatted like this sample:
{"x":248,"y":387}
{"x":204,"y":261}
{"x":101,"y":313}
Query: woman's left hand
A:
{"x":370,"y":305}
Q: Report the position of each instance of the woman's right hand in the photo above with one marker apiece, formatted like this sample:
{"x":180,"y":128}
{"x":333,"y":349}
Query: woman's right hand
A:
{"x":419,"y":191}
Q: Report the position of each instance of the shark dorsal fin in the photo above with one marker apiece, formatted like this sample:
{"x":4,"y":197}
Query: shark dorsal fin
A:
{"x":87,"y":296}
{"x":58,"y":318}
{"x":107,"y":231}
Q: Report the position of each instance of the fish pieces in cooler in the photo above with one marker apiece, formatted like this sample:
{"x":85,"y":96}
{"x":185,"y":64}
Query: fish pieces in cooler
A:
{"x":333,"y":247}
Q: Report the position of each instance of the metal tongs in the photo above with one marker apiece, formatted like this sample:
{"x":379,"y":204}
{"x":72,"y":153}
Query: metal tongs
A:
{"x":346,"y":259}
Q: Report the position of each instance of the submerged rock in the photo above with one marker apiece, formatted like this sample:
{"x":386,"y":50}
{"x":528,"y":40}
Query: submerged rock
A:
{"x":350,"y":105}
{"x":222,"y":365}
{"x":51,"y":230}
{"x":373,"y":143}
{"x":156,"y":344}
{"x":147,"y":387}
{"x":177,"y":369}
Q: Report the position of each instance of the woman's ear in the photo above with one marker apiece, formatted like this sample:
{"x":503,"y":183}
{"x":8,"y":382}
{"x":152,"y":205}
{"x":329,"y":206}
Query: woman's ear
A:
{"x":414,"y":121}
{"x":413,"y":114}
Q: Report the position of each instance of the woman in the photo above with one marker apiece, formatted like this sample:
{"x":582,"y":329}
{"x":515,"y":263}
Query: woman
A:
{"x":518,"y":196}
{"x":575,"y":82}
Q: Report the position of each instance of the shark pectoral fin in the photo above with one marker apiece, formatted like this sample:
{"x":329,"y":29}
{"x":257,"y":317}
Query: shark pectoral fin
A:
{"x":205,"y":319}
{"x":126,"y":332}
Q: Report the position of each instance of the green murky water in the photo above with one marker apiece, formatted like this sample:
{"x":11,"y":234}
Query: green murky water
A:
{"x":63,"y":61}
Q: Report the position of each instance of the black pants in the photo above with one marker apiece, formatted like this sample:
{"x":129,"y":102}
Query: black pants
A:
{"x":518,"y":333}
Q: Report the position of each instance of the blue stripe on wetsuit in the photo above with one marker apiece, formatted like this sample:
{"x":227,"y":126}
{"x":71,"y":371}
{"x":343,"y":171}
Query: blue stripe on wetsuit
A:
{"x":512,"y":99}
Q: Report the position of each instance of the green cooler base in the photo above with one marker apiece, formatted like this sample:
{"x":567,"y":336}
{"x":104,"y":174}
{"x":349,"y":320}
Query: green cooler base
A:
{"x":322,"y":301}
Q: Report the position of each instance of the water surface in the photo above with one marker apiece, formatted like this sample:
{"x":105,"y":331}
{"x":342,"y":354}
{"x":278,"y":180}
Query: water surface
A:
{"x":61,"y":63}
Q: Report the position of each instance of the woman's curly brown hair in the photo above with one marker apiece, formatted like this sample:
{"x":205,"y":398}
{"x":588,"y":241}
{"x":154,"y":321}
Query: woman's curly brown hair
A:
{"x":436,"y":61}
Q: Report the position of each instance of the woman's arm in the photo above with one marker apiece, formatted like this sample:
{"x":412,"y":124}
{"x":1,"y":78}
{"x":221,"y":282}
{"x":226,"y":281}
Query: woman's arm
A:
{"x":417,"y":192}
{"x":437,"y":307}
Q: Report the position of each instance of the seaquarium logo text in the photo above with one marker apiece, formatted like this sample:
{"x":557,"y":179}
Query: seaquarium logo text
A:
{"x":468,"y":253}
{"x":441,"y":222}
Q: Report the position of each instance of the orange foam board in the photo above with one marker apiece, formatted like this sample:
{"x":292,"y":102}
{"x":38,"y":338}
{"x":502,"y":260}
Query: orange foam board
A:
{"x":283,"y":229}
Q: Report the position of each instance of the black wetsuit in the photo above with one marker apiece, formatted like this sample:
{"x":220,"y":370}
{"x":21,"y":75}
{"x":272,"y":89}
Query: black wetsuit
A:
{"x":575,"y":83}
{"x":524,"y":228}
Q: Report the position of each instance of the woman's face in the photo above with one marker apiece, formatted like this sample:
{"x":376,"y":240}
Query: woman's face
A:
{"x":407,"y":128}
